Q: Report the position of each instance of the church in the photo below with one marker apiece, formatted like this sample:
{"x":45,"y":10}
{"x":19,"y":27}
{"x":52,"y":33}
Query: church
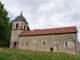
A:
{"x":63,"y":39}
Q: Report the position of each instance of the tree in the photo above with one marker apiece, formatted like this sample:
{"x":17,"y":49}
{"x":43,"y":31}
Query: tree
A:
{"x":10,"y":26}
{"x":4,"y":26}
{"x":28,"y":28}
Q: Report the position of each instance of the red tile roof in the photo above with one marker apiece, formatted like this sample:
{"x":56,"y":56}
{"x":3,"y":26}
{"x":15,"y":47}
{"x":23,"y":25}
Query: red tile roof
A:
{"x":61,"y":30}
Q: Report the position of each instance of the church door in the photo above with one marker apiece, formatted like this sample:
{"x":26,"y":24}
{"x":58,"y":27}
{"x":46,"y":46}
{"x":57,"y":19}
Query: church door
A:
{"x":33,"y":47}
{"x":51,"y":49}
{"x":15,"y":44}
{"x":55,"y":48}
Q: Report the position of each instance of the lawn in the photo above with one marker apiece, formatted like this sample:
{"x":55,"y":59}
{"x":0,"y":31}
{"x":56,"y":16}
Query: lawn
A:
{"x":17,"y":54}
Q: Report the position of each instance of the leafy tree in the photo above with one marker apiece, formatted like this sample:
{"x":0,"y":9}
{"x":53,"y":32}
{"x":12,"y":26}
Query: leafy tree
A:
{"x":10,"y":26}
{"x":28,"y":28}
{"x":4,"y":26}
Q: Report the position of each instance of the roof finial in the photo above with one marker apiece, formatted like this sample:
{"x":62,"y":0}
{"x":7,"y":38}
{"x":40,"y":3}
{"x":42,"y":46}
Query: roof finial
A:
{"x":21,"y":12}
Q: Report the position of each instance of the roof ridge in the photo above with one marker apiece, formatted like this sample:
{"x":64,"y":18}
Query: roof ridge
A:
{"x":53,"y":28}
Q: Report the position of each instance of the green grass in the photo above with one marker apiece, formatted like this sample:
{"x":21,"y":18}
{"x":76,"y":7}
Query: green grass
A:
{"x":16,"y":54}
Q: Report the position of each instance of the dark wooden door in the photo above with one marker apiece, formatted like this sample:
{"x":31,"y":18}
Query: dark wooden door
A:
{"x":51,"y":49}
{"x":15,"y":44}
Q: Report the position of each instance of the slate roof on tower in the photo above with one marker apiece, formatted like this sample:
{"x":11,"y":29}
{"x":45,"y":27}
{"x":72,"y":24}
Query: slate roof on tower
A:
{"x":61,"y":30}
{"x":20,"y":17}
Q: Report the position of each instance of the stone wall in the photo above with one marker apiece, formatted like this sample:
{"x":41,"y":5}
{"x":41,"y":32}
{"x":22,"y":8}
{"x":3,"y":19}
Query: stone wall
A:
{"x":55,"y":43}
{"x":14,"y":42}
{"x":79,"y":48}
{"x":21,"y":25}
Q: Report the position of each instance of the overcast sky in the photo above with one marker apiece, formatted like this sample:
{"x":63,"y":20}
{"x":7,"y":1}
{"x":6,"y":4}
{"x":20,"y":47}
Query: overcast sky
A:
{"x":43,"y":14}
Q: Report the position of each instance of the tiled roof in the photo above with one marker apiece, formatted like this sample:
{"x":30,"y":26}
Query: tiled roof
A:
{"x":61,"y":30}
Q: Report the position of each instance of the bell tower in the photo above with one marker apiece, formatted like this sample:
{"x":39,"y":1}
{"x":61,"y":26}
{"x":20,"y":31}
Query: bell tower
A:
{"x":19,"y":24}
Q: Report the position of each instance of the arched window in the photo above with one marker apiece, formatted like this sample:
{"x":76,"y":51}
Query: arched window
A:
{"x":17,"y":25}
{"x":24,"y":27}
{"x":26,"y":43}
{"x":44,"y":42}
{"x":66,"y":44}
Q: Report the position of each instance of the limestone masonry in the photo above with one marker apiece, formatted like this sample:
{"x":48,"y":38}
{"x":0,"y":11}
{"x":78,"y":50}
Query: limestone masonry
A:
{"x":62,"y":39}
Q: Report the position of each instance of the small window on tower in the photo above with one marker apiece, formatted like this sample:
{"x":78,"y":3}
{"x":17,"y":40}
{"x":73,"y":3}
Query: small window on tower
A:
{"x":24,"y":27}
{"x":17,"y":25}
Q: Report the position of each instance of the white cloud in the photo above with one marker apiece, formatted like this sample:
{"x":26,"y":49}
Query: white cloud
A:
{"x":46,"y":13}
{"x":46,"y":7}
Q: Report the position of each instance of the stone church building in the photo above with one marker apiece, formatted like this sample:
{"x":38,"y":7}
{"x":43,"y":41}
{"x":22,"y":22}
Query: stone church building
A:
{"x":63,"y":39}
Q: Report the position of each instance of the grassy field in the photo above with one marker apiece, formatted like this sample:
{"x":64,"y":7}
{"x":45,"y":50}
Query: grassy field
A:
{"x":16,"y":54}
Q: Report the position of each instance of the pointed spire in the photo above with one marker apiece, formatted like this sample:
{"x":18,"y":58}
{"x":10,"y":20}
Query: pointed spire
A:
{"x":21,"y":12}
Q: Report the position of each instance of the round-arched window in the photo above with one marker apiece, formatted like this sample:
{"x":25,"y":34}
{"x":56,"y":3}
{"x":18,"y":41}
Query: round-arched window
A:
{"x":17,"y":25}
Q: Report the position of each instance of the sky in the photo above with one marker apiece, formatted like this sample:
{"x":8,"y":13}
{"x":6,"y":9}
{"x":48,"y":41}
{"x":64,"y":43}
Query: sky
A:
{"x":44,"y":14}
